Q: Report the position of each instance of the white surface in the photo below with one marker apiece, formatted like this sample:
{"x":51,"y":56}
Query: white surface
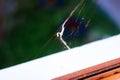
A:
{"x":65,"y":62}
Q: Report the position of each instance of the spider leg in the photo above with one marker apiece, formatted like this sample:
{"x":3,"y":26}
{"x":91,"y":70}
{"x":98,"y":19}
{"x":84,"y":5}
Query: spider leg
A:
{"x":88,"y":22}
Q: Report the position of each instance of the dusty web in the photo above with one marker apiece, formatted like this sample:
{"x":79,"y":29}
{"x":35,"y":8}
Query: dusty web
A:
{"x":79,"y":11}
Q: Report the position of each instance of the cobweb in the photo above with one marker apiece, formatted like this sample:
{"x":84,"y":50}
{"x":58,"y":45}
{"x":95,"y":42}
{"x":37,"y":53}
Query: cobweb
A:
{"x":70,"y":35}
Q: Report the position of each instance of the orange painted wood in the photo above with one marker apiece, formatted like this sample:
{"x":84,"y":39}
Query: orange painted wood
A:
{"x":91,"y":70}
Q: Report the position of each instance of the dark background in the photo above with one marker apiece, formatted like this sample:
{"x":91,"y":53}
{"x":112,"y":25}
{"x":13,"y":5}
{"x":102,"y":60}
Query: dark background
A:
{"x":26,"y":28}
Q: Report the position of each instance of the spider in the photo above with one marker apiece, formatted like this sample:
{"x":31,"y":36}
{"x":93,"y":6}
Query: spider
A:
{"x":72,"y":27}
{"x":75,"y":27}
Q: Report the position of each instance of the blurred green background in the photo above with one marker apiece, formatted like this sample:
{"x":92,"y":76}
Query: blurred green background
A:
{"x":28,"y":26}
